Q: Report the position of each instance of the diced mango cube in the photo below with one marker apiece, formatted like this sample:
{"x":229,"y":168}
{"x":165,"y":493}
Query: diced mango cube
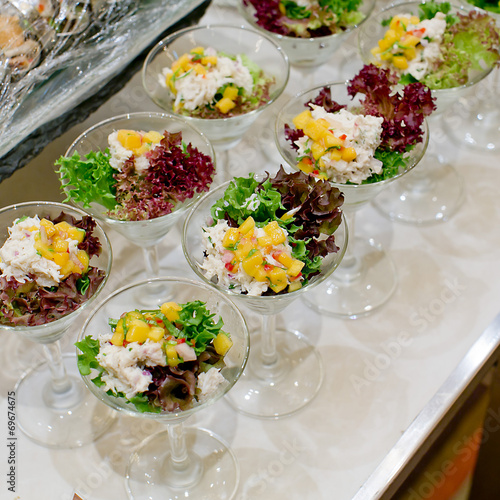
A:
{"x":260,"y":274}
{"x":171,"y":310}
{"x":276,"y":233}
{"x":278,"y":279}
{"x":83,"y":257}
{"x":222,"y":343}
{"x":247,"y":226}
{"x":330,"y":141}
{"x":119,"y":326}
{"x":156,"y":333}
{"x":317,"y":150}
{"x":348,"y":154}
{"x":199,"y":69}
{"x":61,"y":258}
{"x":252,"y":263}
{"x":172,"y":356}
{"x":198,"y":50}
{"x":225,"y":105}
{"x":294,"y":286}
{"x":60,"y":245}
{"x":209,"y":60}
{"x":400,"y":62}
{"x":414,"y":20}
{"x":335,"y":154}
{"x":391,"y":37}
{"x":152,"y":137}
{"x":285,"y":259}
{"x":315,"y":130}
{"x":295,"y":268}
{"x":48,"y":225}
{"x":231,"y":237}
{"x":302,"y":119}
{"x":409,"y":41}
{"x":384,"y":44}
{"x":131,"y":316}
{"x":44,"y":250}
{"x":77,"y":234}
{"x":306,"y":165}
{"x":62,"y":227}
{"x":410,"y":53}
{"x":230,"y":92}
{"x":117,"y":338}
{"x":265,"y":241}
{"x":245,"y":246}
{"x":138,"y":331}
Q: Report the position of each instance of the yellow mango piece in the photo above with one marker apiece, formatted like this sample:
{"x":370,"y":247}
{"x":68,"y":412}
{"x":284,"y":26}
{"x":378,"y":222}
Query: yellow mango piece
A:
{"x":61,"y":259}
{"x":395,"y":22}
{"x":247,"y":226}
{"x":348,"y":154}
{"x":330,"y":141}
{"x":400,"y":62}
{"x":60,"y":245}
{"x":206,"y":60}
{"x":317,"y":150}
{"x":225,"y":105}
{"x":199,"y":69}
{"x":119,"y":326}
{"x":68,"y":268}
{"x":138,"y":331}
{"x":384,"y":44}
{"x":252,"y":263}
{"x":295,"y":268}
{"x":62,"y":228}
{"x":409,"y":41}
{"x":265,"y":241}
{"x":335,"y":154}
{"x":245,"y":246}
{"x":386,"y":57}
{"x":375,"y":51}
{"x":222,"y":343}
{"x":76,"y":234}
{"x":133,"y":142}
{"x":260,"y":274}
{"x":183,"y":61}
{"x":172,"y":356}
{"x":306,"y":165}
{"x":117,"y":338}
{"x":83,"y":257}
{"x":275,"y":232}
{"x":414,"y":20}
{"x":198,"y":50}
{"x":48,"y":225}
{"x":156,"y":333}
{"x":315,"y":130}
{"x":231,"y":237}
{"x":44,"y":250}
{"x":295,"y":285}
{"x":278,"y":279}
{"x":285,"y":259}
{"x":302,"y":119}
{"x":230,"y":92}
{"x":152,"y":137}
{"x":171,"y":310}
{"x":410,"y":53}
{"x":391,"y":37}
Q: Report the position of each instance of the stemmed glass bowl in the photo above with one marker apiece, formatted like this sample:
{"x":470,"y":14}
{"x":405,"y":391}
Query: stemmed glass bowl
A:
{"x":223,"y":133}
{"x":53,"y":407}
{"x":366,"y":277}
{"x":433,"y":192}
{"x":178,"y":462}
{"x":146,"y":234}
{"x":308,"y":52}
{"x":285,"y":370}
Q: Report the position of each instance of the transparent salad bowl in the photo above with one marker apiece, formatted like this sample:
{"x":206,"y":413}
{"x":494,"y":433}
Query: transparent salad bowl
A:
{"x":307,"y":52}
{"x":285,"y":370}
{"x":179,"y":462}
{"x":53,"y":407}
{"x":366,"y":277}
{"x":434,"y":191}
{"x":146,"y":234}
{"x":223,"y":133}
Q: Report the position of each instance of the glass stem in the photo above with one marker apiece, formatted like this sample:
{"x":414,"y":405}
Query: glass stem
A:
{"x":60,"y":392}
{"x":350,"y":267}
{"x":269,"y":355}
{"x":151,"y":261}
{"x":183,"y":468}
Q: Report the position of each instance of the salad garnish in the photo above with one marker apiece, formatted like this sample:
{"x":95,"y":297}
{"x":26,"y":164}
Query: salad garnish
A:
{"x":158,"y":360}
{"x":270,"y":236}
{"x":306,"y":19}
{"x":45,"y":269}
{"x":363,"y":143}
{"x":210,"y":84}
{"x":438,"y":47}
{"x":141,"y":176}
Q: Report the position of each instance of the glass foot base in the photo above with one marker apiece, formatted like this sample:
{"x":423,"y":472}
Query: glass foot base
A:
{"x":283,"y":389}
{"x":358,"y":289}
{"x":149,"y":474}
{"x":430,"y":193}
{"x":71,"y":421}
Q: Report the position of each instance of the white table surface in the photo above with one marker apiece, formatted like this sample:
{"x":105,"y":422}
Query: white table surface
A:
{"x":381,"y":370}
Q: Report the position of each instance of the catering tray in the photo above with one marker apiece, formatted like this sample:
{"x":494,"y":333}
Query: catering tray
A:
{"x":89,"y":67}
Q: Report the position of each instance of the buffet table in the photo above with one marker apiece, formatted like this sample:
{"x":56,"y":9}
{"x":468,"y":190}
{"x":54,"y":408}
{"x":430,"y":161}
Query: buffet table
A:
{"x":392,"y":378}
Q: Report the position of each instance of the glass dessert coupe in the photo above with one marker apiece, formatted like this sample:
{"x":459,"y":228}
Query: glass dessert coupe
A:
{"x":474,"y":121}
{"x":146,"y":234}
{"x":53,"y":406}
{"x":366,"y":277}
{"x":307,"y":52}
{"x":285,"y":370}
{"x":178,"y":462}
{"x":223,"y":133}
{"x":434,"y":191}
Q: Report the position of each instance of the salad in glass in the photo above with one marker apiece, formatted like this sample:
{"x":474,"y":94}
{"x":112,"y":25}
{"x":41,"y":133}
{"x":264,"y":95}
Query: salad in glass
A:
{"x":438,"y":44}
{"x":366,"y":141}
{"x":306,"y":18}
{"x":45,"y":270}
{"x":270,"y":236}
{"x":206,"y":83}
{"x":142,"y":175}
{"x":167,"y":359}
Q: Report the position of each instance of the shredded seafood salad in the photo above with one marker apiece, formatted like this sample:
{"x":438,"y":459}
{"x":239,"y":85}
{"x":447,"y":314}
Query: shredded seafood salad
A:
{"x":438,"y":45}
{"x":45,"y":270}
{"x":365,"y":142}
{"x":159,"y":360}
{"x":269,"y":237}
{"x":206,"y":83}
{"x":140,"y":176}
